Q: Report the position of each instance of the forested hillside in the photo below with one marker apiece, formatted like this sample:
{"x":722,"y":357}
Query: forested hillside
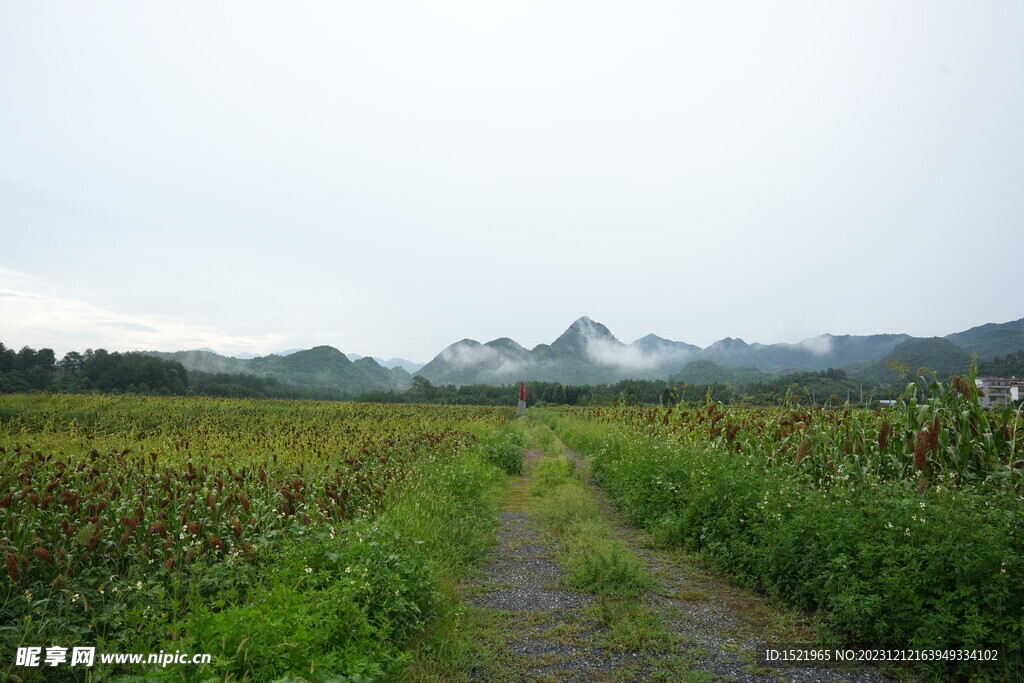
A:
{"x":322,"y":370}
{"x":101,"y":371}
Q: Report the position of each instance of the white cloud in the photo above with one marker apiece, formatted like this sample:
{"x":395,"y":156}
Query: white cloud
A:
{"x":469,"y":356}
{"x":611,"y":353}
{"x":31,"y":314}
{"x":817,"y":345}
{"x":493,"y":364}
{"x":606,"y":352}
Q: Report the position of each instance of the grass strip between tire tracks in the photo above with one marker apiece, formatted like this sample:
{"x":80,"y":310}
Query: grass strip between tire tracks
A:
{"x":595,"y":561}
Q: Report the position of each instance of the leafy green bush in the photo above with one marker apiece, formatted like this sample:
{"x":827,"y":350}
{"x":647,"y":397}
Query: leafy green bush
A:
{"x":342,"y":603}
{"x":504,"y":449}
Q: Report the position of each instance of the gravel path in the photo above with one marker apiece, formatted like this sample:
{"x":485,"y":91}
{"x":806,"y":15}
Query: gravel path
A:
{"x":542,"y":619}
{"x":548,"y":633}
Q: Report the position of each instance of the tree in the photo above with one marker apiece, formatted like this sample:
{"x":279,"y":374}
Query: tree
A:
{"x":421,"y":391}
{"x":555,"y":395}
{"x":899,"y":367}
{"x":8,"y":359}
{"x":71,"y":363}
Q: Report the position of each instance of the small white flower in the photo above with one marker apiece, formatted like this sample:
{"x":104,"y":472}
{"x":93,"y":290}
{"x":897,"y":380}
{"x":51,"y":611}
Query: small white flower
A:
{"x":309,"y":570}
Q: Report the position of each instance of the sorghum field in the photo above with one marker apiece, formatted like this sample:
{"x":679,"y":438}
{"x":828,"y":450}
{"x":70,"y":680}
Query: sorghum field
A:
{"x":900,"y":527}
{"x":285,"y":538}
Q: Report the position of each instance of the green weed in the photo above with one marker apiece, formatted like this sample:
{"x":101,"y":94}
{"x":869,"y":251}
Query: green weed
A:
{"x":600,"y":566}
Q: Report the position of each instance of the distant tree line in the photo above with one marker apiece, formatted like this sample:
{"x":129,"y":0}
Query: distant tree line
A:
{"x":543,"y":393}
{"x":101,"y":371}
{"x":624,"y":392}
{"x":828,"y":388}
{"x":1010,"y":365}
{"x":241,"y":385}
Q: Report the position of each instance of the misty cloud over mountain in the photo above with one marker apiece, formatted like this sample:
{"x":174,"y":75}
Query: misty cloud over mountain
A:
{"x":588,"y":353}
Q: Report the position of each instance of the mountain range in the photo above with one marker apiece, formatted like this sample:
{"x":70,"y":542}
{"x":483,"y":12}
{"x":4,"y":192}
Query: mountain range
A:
{"x":322,"y":367}
{"x":407,"y":365}
{"x":588,"y":353}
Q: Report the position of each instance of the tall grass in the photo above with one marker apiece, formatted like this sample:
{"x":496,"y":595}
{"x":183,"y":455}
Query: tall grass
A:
{"x":595,"y":560}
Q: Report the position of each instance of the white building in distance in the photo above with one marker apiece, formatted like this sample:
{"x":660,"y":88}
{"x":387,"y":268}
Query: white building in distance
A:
{"x":999,"y":392}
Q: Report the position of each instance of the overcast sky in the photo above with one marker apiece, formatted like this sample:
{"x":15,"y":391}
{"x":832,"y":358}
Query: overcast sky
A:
{"x":390,"y":177}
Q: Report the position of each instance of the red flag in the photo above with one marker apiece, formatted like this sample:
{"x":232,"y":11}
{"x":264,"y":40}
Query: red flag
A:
{"x":522,"y":391}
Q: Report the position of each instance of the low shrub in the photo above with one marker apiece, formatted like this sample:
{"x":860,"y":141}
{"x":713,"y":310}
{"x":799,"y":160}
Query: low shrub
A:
{"x":504,"y":449}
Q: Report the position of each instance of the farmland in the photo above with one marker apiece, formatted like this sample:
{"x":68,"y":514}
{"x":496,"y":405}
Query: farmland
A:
{"x":900,"y":528}
{"x":327,"y":540}
{"x":232,"y":527}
